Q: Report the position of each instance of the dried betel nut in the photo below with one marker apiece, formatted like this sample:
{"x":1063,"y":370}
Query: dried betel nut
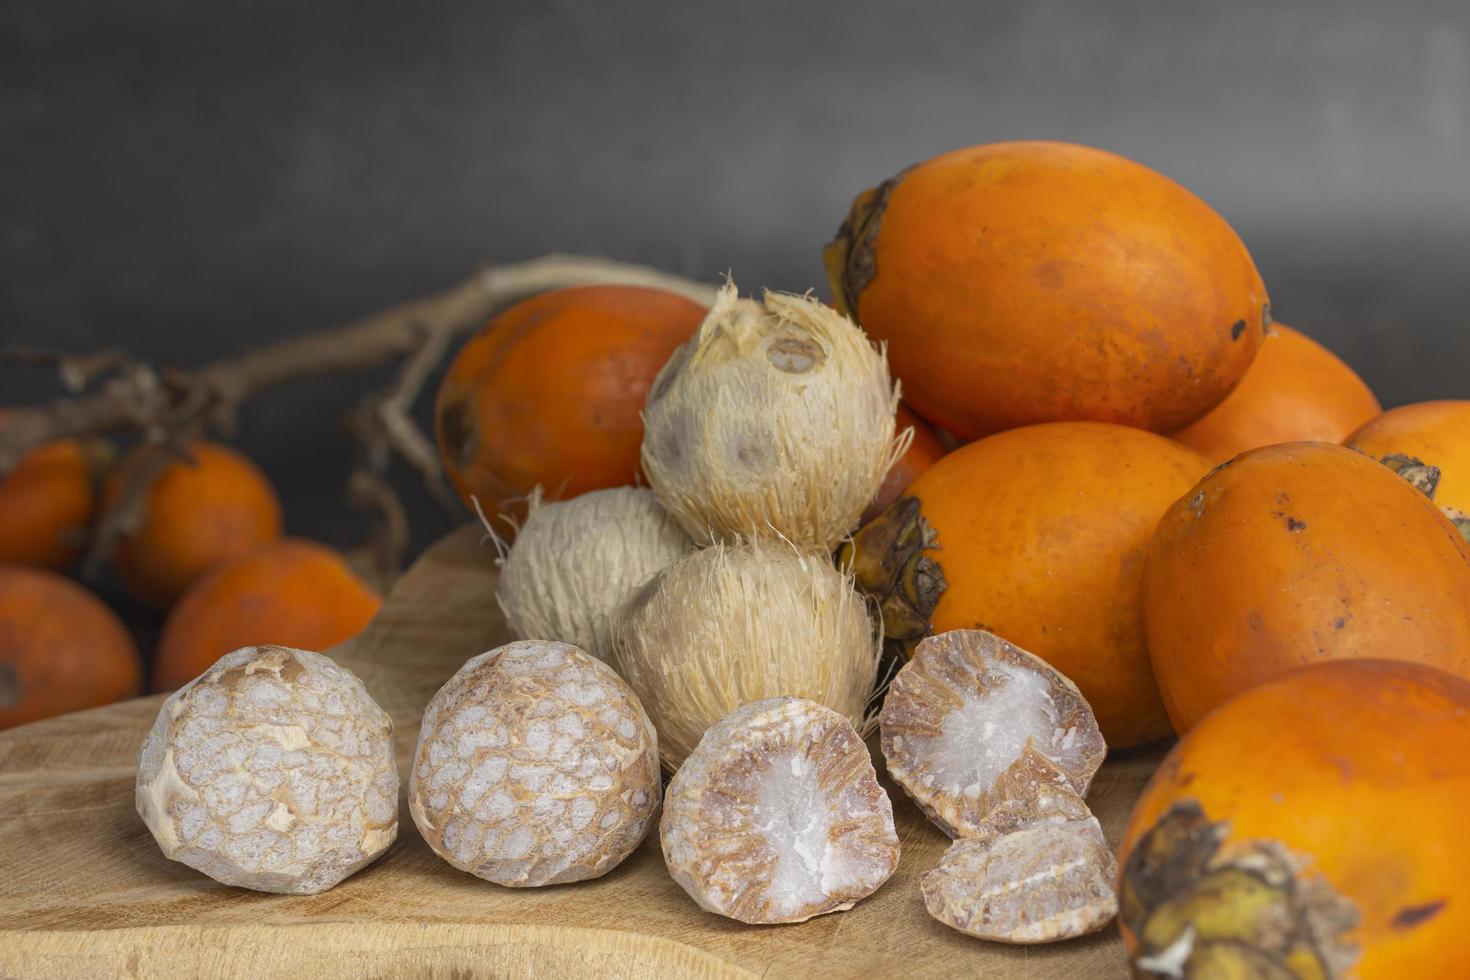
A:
{"x":1037,"y":884}
{"x":960,"y":717}
{"x":535,"y":765}
{"x":777,"y":816}
{"x":272,"y":770}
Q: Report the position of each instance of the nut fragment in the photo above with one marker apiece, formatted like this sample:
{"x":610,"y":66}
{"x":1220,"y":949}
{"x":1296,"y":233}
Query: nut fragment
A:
{"x":777,"y":816}
{"x":972,"y":721}
{"x":535,"y":765}
{"x":272,"y":770}
{"x":1038,"y":884}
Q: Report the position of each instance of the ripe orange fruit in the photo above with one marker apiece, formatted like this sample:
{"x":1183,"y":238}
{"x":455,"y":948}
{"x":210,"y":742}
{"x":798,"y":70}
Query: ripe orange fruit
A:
{"x":290,"y":592}
{"x":923,"y":452}
{"x":1313,"y":826}
{"x":1427,"y":444}
{"x":1038,"y":535}
{"x":46,"y":506}
{"x":1296,"y":391}
{"x":1031,"y":282}
{"x":551,"y":392}
{"x":61,"y":649}
{"x":1292,"y":554}
{"x":199,"y":515}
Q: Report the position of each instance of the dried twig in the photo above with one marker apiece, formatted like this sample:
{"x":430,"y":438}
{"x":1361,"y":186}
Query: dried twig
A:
{"x":169,"y":407}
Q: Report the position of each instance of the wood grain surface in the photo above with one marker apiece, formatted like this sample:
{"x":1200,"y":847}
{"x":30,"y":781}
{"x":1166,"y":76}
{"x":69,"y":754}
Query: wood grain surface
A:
{"x":85,"y":892}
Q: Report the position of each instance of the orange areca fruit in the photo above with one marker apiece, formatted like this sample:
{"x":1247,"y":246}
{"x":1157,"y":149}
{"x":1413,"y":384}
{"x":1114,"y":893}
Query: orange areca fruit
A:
{"x":61,"y":649}
{"x":199,"y":514}
{"x":1296,"y":391}
{"x":1311,"y":827}
{"x":46,"y":506}
{"x":1027,"y":282}
{"x":291,"y":592}
{"x":551,"y":392}
{"x":1293,"y":554}
{"x":1429,"y":445}
{"x":1038,"y":535}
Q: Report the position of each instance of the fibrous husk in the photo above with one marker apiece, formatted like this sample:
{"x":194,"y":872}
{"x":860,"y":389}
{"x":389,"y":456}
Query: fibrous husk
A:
{"x":736,"y":623}
{"x":535,"y":765}
{"x":775,"y":420}
{"x":272,"y":770}
{"x":574,"y":563}
{"x":1037,"y":884}
{"x":777,"y":816}
{"x":972,"y":721}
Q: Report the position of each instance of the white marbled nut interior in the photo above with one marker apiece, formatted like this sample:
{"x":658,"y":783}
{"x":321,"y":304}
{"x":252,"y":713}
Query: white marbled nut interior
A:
{"x":777,"y":816}
{"x":1038,"y":884}
{"x":272,"y":770}
{"x":973,"y":720}
{"x":535,"y":765}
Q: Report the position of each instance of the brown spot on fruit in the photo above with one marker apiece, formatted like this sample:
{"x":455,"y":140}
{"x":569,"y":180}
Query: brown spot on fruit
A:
{"x":1413,"y":915}
{"x":794,"y":355}
{"x":1237,"y":329}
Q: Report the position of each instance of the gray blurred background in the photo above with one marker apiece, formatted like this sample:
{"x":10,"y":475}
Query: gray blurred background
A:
{"x":189,"y":179}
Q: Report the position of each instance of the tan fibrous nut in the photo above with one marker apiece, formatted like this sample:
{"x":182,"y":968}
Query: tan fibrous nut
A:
{"x":777,"y":816}
{"x":731,"y":624}
{"x":775,"y":420}
{"x":272,"y":770}
{"x":1038,"y":884}
{"x":958,"y":721}
{"x":535,"y":765}
{"x":574,"y":562}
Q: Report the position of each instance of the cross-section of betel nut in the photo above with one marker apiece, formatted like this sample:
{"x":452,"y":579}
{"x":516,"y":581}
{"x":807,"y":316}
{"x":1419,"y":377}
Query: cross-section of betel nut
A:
{"x":272,"y":770}
{"x":1038,"y":884}
{"x":960,"y":716}
{"x":777,"y":815}
{"x":535,"y":765}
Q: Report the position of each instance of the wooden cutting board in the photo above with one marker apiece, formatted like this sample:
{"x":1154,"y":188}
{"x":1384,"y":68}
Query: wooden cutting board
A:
{"x":85,"y":892}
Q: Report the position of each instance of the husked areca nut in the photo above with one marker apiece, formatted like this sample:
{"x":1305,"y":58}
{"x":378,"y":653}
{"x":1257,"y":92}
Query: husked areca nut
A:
{"x":535,"y":765}
{"x":574,"y":562}
{"x":273,"y":770}
{"x":777,"y":816}
{"x":973,"y":722}
{"x":775,"y":420}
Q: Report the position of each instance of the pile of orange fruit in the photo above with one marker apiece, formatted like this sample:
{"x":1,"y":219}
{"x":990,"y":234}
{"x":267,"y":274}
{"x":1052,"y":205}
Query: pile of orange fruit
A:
{"x":1121,"y":462}
{"x":209,"y":553}
{"x":1124,"y":464}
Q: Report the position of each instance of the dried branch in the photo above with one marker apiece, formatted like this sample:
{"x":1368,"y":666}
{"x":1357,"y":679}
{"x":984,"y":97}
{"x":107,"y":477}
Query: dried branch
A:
{"x":141,"y":396}
{"x":169,"y":407}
